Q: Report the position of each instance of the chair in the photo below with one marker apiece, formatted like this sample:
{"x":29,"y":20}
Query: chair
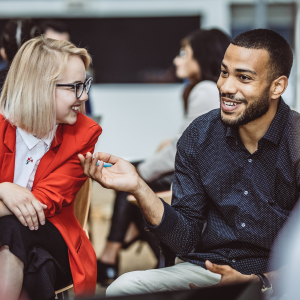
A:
{"x":166,"y":257}
{"x":81,"y":211}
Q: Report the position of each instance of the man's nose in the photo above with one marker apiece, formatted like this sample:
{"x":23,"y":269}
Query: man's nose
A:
{"x":228,"y":86}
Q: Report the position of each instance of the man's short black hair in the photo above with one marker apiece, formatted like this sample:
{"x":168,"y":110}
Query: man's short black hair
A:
{"x":280,"y":52}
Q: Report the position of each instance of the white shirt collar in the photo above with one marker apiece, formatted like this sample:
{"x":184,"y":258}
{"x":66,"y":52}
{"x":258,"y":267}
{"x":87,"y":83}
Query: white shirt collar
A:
{"x":31,"y":141}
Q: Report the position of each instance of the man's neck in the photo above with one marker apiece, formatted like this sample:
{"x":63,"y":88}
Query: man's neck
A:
{"x":252,"y":132}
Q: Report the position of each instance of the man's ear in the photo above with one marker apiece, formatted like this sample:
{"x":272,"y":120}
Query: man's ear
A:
{"x":278,"y":87}
{"x":2,"y":53}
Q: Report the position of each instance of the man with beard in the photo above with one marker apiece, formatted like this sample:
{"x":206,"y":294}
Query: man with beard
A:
{"x":236,"y":171}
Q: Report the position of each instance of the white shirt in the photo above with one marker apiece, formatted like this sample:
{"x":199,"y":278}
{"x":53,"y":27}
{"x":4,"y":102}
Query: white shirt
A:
{"x":29,"y":152}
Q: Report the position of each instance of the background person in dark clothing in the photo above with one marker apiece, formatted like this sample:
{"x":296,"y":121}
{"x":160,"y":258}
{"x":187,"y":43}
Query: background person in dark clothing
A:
{"x":14,"y":35}
{"x":237,"y":169}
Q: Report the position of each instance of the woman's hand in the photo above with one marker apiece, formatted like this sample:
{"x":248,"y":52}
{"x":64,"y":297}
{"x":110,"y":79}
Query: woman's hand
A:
{"x":122,"y":176}
{"x":23,"y":204}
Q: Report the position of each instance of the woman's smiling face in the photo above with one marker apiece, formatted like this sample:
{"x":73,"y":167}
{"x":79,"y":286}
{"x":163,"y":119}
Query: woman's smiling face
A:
{"x":67,"y":105}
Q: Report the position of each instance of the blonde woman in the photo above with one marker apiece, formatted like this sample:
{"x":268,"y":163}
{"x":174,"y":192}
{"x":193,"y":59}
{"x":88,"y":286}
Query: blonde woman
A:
{"x":42,"y":246}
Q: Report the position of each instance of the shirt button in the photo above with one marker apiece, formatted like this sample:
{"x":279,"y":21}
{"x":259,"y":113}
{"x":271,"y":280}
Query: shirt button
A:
{"x":246,"y":193}
{"x":243,"y":224}
{"x":233,"y":260}
{"x":250,"y":160}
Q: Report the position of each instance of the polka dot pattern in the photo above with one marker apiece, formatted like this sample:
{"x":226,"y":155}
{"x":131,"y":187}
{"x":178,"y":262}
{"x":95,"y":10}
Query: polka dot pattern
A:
{"x":244,"y":199}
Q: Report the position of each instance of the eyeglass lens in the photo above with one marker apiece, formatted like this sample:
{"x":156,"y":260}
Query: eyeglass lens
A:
{"x":80,"y":87}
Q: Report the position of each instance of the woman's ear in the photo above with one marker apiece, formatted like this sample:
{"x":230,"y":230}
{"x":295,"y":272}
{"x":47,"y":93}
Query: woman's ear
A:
{"x":3,"y":53}
{"x":278,"y":87}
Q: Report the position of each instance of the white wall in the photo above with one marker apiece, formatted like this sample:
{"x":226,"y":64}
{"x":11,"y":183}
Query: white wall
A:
{"x":136,"y":117}
{"x":215,"y":13}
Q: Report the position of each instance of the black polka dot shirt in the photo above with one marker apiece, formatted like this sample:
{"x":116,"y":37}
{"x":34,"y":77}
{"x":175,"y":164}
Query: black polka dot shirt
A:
{"x":228,"y":205}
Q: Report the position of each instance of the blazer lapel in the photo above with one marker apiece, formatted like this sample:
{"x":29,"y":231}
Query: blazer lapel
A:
{"x":8,"y":165}
{"x":47,"y":159}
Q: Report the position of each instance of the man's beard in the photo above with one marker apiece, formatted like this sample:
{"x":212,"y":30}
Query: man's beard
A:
{"x":252,"y":112}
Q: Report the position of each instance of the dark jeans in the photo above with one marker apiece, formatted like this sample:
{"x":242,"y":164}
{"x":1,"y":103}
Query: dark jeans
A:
{"x":125,"y":213}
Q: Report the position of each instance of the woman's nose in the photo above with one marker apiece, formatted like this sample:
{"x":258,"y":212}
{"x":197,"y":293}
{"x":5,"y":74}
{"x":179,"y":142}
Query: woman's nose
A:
{"x":175,"y":60}
{"x":84,"y":96}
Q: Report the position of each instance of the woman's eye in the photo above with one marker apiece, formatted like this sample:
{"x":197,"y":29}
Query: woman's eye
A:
{"x":224,"y":72}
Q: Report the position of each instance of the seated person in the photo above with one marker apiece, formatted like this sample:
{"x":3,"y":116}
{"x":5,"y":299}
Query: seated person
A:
{"x":42,"y":245}
{"x":14,"y":35}
{"x":236,"y":169}
{"x":198,"y":61}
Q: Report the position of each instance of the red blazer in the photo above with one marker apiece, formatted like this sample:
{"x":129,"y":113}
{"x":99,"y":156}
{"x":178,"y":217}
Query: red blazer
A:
{"x":58,"y":178}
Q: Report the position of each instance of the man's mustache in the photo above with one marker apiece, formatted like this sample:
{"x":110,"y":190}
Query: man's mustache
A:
{"x":233,"y":97}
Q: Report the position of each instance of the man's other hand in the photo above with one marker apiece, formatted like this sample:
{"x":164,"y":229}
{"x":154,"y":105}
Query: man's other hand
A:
{"x":121,"y":176}
{"x":228,"y":275}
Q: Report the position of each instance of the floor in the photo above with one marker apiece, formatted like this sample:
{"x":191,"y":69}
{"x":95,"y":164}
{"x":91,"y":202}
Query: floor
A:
{"x":136,"y":257}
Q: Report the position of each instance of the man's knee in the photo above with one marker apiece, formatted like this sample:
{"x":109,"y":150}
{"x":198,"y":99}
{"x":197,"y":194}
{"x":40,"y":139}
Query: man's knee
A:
{"x":127,"y":284}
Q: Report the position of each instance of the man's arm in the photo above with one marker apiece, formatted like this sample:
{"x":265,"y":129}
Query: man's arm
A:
{"x":122,"y":176}
{"x":178,"y":226}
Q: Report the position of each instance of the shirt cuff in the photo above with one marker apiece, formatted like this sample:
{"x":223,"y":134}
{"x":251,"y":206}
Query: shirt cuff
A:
{"x":168,"y":221}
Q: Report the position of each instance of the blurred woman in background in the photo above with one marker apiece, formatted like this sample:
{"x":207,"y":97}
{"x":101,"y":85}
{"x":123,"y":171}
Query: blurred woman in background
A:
{"x":199,"y":63}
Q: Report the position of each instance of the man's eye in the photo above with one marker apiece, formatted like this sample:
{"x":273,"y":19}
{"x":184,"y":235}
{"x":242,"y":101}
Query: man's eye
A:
{"x":224,"y":72}
{"x":243,"y":77}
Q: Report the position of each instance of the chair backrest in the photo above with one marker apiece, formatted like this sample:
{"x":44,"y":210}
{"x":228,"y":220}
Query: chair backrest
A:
{"x":82,"y":203}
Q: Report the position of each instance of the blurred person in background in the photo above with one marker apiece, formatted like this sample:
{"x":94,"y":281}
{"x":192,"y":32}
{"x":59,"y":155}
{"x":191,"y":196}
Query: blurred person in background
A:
{"x":199,"y":62}
{"x":57,"y":30}
{"x":14,"y":35}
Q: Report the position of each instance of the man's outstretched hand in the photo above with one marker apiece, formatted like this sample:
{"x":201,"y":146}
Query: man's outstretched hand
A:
{"x":228,"y":275}
{"x":122,"y":176}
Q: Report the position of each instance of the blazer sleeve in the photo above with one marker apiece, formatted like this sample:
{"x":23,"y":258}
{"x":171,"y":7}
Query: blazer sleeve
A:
{"x":203,"y":98}
{"x":60,"y":187}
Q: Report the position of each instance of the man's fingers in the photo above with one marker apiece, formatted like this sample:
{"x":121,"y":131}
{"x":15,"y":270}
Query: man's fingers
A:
{"x":92,"y":168}
{"x":193,"y":286}
{"x":38,"y":206}
{"x":216,"y":268}
{"x":85,"y":163}
{"x":106,"y":157}
{"x":81,"y":159}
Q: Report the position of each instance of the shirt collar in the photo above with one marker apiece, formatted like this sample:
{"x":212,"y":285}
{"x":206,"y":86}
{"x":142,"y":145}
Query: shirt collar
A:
{"x":275,"y":130}
{"x":31,"y":141}
{"x":277,"y":126}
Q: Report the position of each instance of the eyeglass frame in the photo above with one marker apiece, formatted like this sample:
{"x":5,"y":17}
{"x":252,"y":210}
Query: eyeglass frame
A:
{"x":75,"y":85}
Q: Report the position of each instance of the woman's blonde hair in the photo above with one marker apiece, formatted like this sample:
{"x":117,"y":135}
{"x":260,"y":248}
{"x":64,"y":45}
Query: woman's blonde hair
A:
{"x":28,"y":95}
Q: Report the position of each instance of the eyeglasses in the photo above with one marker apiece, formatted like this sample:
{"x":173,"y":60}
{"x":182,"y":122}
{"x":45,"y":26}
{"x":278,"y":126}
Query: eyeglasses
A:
{"x":182,"y":53}
{"x":80,"y":86}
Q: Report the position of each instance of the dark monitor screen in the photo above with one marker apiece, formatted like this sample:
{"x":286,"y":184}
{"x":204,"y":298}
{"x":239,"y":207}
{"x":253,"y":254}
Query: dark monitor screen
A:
{"x":130,"y":50}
